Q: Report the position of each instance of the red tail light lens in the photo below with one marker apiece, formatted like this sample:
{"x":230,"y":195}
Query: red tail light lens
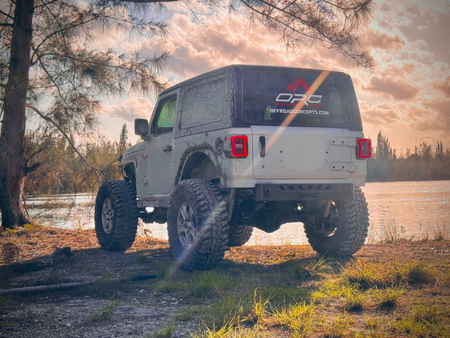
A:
{"x":239,"y":146}
{"x":364,"y":148}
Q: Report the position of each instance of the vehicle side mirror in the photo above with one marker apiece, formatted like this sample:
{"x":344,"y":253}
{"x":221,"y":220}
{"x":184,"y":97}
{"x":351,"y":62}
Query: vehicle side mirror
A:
{"x":141,"y":127}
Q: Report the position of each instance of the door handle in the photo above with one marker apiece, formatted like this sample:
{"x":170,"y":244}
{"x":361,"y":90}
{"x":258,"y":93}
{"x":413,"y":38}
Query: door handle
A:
{"x":167,"y":148}
{"x":262,"y":139}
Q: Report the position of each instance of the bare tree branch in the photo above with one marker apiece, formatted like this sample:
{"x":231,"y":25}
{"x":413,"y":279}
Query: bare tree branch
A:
{"x":7,"y":15}
{"x":49,"y":119}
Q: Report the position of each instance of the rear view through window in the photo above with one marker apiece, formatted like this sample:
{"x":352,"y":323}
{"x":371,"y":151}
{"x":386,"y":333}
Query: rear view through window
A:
{"x":270,"y":95}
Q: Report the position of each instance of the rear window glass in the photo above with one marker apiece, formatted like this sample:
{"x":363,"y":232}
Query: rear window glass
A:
{"x":270,"y":95}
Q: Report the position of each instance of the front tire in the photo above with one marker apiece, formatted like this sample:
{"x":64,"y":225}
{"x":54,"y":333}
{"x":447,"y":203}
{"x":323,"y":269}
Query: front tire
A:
{"x":197,"y":224}
{"x":116,"y":215}
{"x":350,"y":232}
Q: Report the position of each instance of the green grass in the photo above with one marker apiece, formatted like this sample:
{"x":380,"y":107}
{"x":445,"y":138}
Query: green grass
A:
{"x":5,"y":324}
{"x":105,"y":313}
{"x":5,"y":300}
{"x":311,"y":268}
{"x":388,"y":297}
{"x":102,"y":287}
{"x":142,"y":259}
{"x":360,"y":274}
{"x":423,"y":321}
{"x":338,"y":327}
{"x":184,"y":315}
{"x":298,"y":317}
{"x":228,"y":309}
{"x":283,"y":296}
{"x":165,"y":332}
{"x":354,"y":299}
{"x":392,"y":232}
{"x":209,"y":283}
{"x":413,"y":271}
{"x":397,"y":290}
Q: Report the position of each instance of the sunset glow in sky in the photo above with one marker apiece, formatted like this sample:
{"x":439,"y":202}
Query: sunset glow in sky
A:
{"x":408,"y":98}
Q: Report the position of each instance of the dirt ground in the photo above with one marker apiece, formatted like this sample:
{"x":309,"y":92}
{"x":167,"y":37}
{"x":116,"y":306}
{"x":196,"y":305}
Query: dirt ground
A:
{"x":136,"y":310}
{"x":124,"y":298}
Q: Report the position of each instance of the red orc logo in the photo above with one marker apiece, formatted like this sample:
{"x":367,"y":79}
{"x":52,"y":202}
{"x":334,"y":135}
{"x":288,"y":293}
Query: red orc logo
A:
{"x":288,"y":99}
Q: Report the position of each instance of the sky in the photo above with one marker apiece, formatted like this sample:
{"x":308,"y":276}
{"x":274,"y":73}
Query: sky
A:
{"x":407,"y":98}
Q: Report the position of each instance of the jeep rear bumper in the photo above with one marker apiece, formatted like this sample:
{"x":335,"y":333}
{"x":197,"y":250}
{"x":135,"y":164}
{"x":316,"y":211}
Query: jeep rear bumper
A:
{"x":304,"y":192}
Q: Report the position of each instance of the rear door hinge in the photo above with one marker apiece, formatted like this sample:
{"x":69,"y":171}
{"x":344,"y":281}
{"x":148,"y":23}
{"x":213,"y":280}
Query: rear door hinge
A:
{"x":344,"y":166}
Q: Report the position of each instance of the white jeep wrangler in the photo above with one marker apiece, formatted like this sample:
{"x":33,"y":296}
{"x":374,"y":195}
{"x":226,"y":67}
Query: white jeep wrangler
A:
{"x":243,"y":147}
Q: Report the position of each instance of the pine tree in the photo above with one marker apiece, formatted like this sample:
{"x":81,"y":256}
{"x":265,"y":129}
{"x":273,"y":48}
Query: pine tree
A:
{"x":53,"y":38}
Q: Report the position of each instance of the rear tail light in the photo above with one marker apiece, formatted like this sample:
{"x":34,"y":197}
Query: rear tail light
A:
{"x":239,"y":146}
{"x":364,"y":148}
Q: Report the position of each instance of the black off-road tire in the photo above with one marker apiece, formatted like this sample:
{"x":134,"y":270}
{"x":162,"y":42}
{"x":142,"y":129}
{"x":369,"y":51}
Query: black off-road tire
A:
{"x":351,"y":228}
{"x":116,"y":230}
{"x":239,"y":234}
{"x":209,"y":214}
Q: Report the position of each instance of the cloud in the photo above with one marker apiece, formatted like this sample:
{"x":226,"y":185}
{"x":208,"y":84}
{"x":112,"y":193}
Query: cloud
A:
{"x":135,"y":107}
{"x":443,"y":86}
{"x":384,"y":40}
{"x":435,"y":117}
{"x":395,"y":89}
{"x":407,"y":100}
{"x":379,"y":113}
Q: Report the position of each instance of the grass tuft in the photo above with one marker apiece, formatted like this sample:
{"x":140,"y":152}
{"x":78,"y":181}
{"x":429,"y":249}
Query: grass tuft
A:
{"x":228,"y":309}
{"x":283,"y":296}
{"x":359,"y":274}
{"x":166,"y":332}
{"x":388,"y":297}
{"x":392,"y":232}
{"x":224,"y":330}
{"x":105,"y":313}
{"x":259,"y":310}
{"x":412,"y":272}
{"x":338,"y":326}
{"x":184,"y":315}
{"x":311,"y":268}
{"x":209,"y":283}
{"x":142,"y":259}
{"x":354,"y":299}
{"x":298,"y":317}
{"x":423,"y":321}
{"x":5,"y":300}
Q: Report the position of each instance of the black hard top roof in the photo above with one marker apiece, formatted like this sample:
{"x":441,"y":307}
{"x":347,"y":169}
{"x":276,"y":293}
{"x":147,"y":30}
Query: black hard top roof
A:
{"x":236,"y":68}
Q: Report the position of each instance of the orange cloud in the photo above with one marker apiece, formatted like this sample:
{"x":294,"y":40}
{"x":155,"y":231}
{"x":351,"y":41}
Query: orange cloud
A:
{"x":384,"y":41}
{"x":444,"y":86}
{"x":396,"y":89}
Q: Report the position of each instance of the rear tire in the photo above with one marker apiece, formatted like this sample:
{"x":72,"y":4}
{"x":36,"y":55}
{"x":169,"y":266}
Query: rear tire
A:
{"x":116,"y":215}
{"x":197,"y":224}
{"x":351,"y":228}
{"x":239,"y":234}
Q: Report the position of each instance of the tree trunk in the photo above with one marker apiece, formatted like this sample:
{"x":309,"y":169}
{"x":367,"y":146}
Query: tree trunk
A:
{"x":12,"y":136}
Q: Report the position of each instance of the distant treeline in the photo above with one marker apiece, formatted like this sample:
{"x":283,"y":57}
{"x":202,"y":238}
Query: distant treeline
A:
{"x":422,"y":164}
{"x":61,"y":170}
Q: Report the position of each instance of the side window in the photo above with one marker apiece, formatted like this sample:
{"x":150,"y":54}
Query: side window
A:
{"x":205,"y":103}
{"x":163,"y":123}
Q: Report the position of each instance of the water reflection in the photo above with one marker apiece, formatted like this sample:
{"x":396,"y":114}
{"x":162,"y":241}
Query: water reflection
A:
{"x":413,"y":209}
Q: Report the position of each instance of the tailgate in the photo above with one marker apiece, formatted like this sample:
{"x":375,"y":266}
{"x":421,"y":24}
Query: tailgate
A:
{"x":302,"y":153}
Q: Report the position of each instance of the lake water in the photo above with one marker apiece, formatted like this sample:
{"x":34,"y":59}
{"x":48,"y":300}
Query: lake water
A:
{"x":402,"y":209}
